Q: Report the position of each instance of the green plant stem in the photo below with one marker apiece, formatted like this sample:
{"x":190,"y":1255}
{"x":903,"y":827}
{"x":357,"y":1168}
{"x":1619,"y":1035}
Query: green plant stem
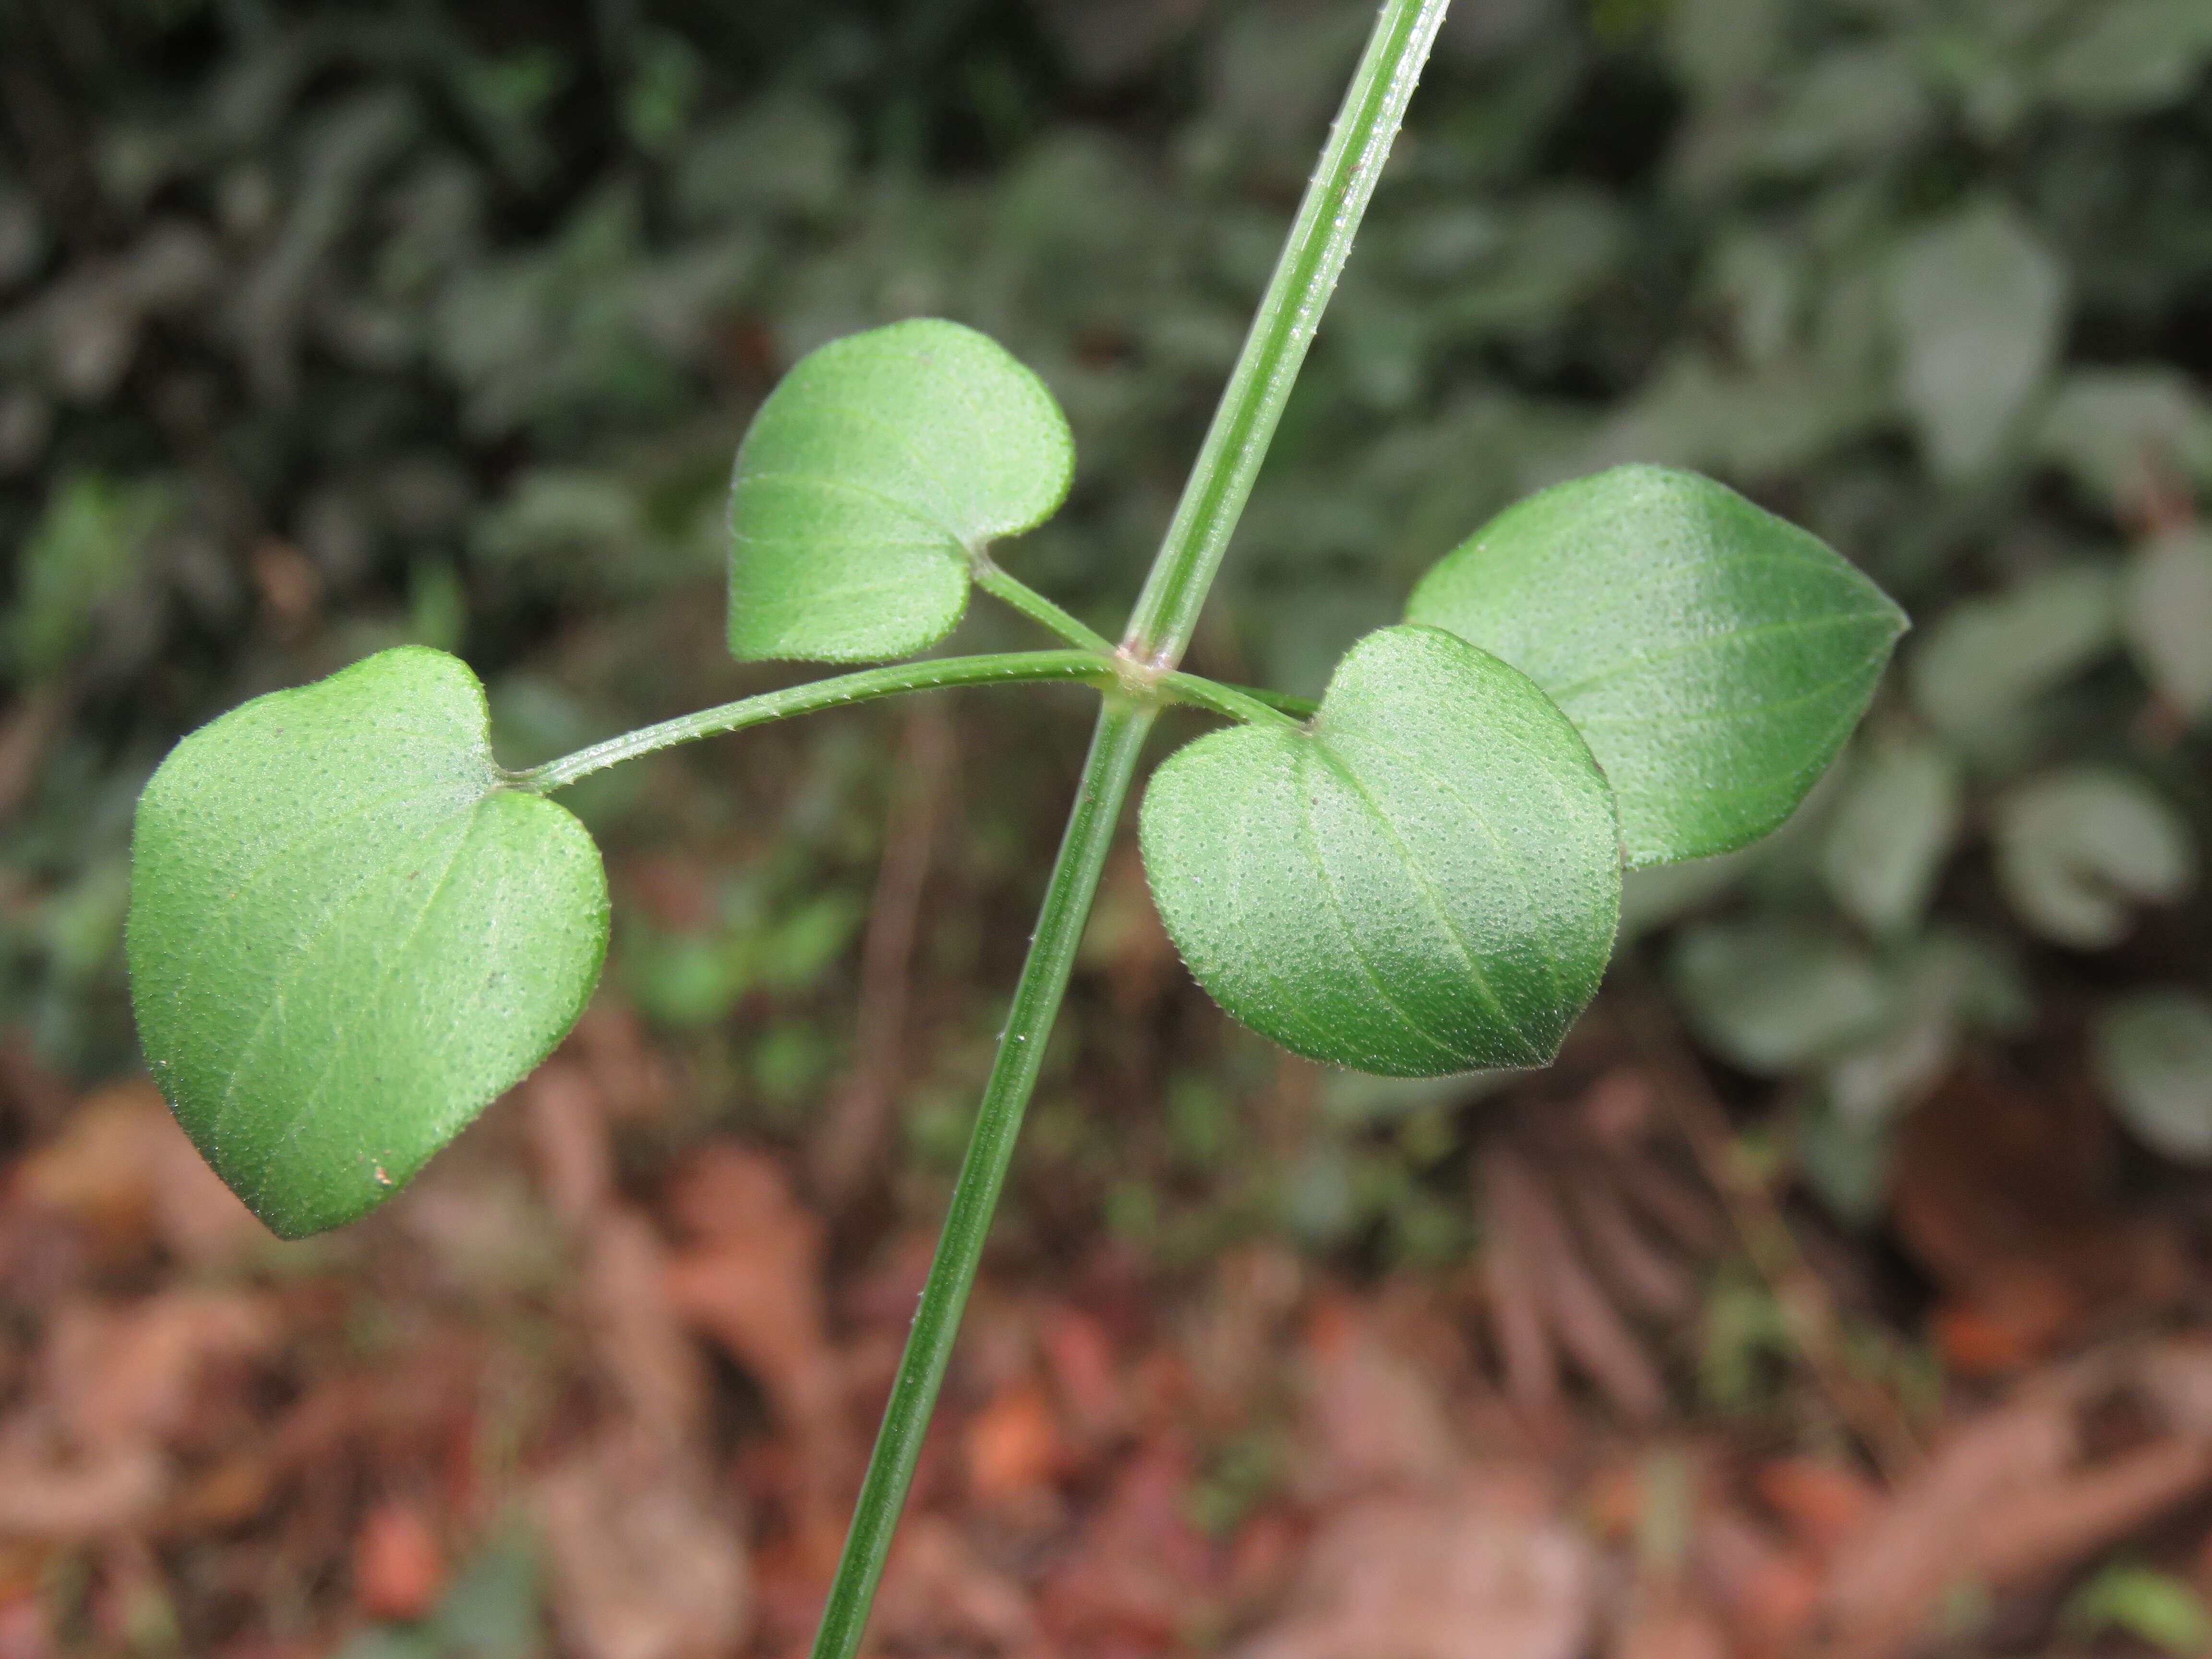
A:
{"x":1033,"y":604}
{"x":1159,"y":629}
{"x":1305,"y":274}
{"x":1100,"y":668}
{"x":1004,"y":668}
{"x":1298,"y":708}
{"x":1231,"y":700}
{"x":1112,"y":763}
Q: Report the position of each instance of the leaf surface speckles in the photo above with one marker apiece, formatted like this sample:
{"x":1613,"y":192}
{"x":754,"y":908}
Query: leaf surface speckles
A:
{"x":347,"y":935}
{"x":1425,"y":881}
{"x":1714,"y":657}
{"x":874,"y":470}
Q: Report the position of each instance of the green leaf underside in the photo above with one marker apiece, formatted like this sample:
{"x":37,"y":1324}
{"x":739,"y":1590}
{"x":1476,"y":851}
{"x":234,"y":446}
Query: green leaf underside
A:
{"x":872,"y":473}
{"x":1714,"y":657}
{"x":1425,"y":881}
{"x":347,"y":937}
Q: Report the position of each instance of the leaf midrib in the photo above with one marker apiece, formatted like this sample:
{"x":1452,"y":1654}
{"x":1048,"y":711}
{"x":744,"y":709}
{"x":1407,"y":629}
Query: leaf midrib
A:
{"x":315,"y":1097}
{"x":1422,"y":884}
{"x":282,"y":986}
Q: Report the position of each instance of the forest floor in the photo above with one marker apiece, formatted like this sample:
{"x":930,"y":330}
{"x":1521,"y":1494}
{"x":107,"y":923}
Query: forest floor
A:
{"x":546,"y":1403}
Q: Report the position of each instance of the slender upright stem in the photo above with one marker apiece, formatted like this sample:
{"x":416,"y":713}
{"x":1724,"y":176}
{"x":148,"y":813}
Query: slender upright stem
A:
{"x":1305,"y":274}
{"x":1158,"y":631}
{"x":1112,"y":761}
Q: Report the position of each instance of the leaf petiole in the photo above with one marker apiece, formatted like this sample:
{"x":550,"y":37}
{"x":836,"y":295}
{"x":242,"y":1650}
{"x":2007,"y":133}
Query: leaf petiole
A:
{"x":1250,"y":704}
{"x":1253,"y":707}
{"x":1000,"y":585}
{"x":1099,"y":668}
{"x":1298,"y":708}
{"x":1002,"y":668}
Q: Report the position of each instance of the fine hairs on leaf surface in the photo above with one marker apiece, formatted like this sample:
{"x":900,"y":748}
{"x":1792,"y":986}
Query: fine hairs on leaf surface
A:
{"x":1714,"y":657}
{"x":871,"y":480}
{"x":349,"y":930}
{"x":347,"y":935}
{"x":1426,"y":881}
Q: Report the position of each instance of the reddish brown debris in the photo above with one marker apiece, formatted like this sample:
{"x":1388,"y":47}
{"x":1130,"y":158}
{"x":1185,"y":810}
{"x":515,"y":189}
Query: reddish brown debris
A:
{"x":672,"y":1382}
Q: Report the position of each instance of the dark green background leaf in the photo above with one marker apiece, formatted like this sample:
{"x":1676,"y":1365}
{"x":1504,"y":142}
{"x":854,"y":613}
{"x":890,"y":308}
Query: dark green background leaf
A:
{"x":1714,"y":656}
{"x":872,"y":473}
{"x":2152,"y":1051}
{"x":347,"y":937}
{"x":1427,"y":881}
{"x":2078,"y":846}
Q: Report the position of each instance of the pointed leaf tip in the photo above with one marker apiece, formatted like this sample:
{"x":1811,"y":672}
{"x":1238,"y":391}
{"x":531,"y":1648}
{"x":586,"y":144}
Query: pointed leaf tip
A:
{"x":1714,"y":657}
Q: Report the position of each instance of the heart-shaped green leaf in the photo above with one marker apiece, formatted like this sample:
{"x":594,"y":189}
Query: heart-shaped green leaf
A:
{"x":1425,"y":880}
{"x":347,"y":935}
{"x":873,"y":473}
{"x":1715,"y":656}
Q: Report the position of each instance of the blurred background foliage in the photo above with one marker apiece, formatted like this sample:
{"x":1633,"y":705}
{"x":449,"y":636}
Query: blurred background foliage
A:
{"x":324,"y":326}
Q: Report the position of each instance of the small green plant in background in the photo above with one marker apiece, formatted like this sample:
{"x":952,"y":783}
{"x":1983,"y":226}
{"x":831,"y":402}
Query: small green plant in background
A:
{"x":351,"y":929}
{"x":2155,"y":1607}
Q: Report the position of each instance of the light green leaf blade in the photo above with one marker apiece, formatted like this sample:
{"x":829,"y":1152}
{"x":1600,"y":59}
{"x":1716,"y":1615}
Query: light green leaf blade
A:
{"x":2167,"y":606}
{"x":2152,"y":1050}
{"x":1898,"y":820}
{"x":1987,"y":659}
{"x":2079,"y":847}
{"x":2128,"y":56}
{"x":1978,"y":303}
{"x":873,"y":473}
{"x":347,"y":936}
{"x":2115,"y":431}
{"x":80,"y":553}
{"x":1425,"y":880}
{"x":1771,"y":996}
{"x":1714,"y":656}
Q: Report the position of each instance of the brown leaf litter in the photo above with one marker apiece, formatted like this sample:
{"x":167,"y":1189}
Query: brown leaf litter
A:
{"x":675,"y":1380}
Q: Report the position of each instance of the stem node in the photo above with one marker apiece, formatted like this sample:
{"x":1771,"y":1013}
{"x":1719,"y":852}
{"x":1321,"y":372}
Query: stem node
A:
{"x":1141,"y":670}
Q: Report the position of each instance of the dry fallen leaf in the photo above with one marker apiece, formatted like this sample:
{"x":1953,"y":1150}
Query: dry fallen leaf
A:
{"x":1997,"y":1191}
{"x":1766,"y":1590}
{"x":123,"y":1167}
{"x":1667,"y":1621}
{"x":1543,"y":1293}
{"x":83,"y":1498}
{"x":1822,"y":1503}
{"x":750,"y":1277}
{"x":751,"y":1280}
{"x":645,"y":1564}
{"x":938,"y":1597}
{"x":1086,"y":1372}
{"x":398,"y":1563}
{"x":636,"y":1325}
{"x":567,"y":1123}
{"x":119,"y":1374}
{"x":1884,"y":1583}
{"x":1372,"y":1419}
{"x":25,"y":1632}
{"x":1014,"y":1445}
{"x":1138,"y":1574}
{"x":2020,"y":1492}
{"x":1479,"y":1572}
{"x":1234,"y":1336}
